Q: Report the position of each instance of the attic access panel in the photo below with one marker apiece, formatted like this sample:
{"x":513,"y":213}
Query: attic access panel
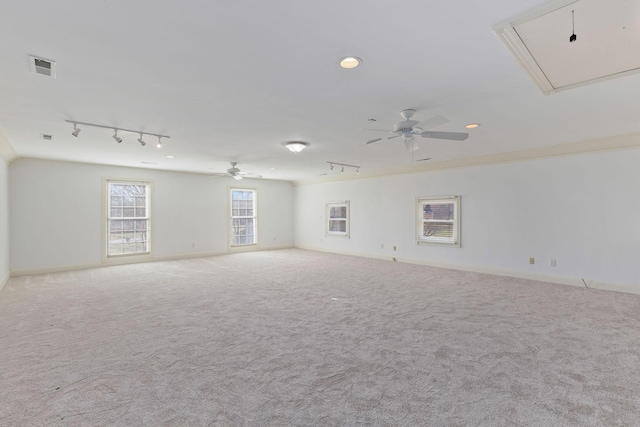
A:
{"x":607,"y":43}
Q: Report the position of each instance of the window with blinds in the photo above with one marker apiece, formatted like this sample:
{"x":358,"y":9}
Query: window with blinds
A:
{"x":337,"y":219}
{"x":438,"y":220}
{"x":128,"y":223}
{"x":243,"y":217}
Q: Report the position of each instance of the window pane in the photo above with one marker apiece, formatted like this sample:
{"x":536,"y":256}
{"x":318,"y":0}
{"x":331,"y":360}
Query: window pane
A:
{"x":439,"y":211}
{"x":242,"y":217}
{"x":438,"y":229}
{"x":128,"y":236}
{"x":338,"y":226}
{"x":338,"y":212}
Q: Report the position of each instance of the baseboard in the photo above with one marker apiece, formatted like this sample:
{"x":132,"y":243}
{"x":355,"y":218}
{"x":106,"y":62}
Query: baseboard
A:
{"x":560,"y":280}
{"x":4,"y":280}
{"x":133,"y":260}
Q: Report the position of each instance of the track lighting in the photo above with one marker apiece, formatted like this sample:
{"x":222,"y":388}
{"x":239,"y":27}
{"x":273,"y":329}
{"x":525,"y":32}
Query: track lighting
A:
{"x":344,"y":165}
{"x":116,"y":137}
{"x":76,"y":132}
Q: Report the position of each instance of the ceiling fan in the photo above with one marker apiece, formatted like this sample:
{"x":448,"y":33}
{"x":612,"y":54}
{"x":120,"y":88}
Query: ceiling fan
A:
{"x":408,"y":129}
{"x":236,"y":174}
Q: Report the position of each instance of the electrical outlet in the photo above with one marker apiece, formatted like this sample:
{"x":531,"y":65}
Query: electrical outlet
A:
{"x":553,"y":263}
{"x":532,"y":260}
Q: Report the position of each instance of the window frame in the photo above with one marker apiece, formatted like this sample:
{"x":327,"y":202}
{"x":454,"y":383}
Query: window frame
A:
{"x":231,"y":244}
{"x":327,"y":228}
{"x":106,"y":217}
{"x":454,"y":241}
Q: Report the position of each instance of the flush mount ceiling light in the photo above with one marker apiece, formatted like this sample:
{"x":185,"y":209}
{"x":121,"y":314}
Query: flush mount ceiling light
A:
{"x":116,"y":137}
{"x":296,"y":146}
{"x":472,"y":125}
{"x":349,"y":62}
{"x":76,"y":132}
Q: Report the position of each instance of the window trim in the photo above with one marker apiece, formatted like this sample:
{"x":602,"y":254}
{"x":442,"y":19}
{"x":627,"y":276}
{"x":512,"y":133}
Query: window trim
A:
{"x":230,"y":244}
{"x":338,"y":234}
{"x":105,"y":218}
{"x":419,"y":206}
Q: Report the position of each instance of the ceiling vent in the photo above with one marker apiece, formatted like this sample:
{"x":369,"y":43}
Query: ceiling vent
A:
{"x":45,"y":67}
{"x":569,"y":43}
{"x":46,"y":137}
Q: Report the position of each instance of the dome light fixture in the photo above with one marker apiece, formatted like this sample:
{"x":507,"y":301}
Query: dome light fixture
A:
{"x":349,"y":62}
{"x":296,"y":146}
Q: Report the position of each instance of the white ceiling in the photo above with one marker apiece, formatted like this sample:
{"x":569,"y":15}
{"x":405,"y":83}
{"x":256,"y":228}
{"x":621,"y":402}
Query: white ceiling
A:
{"x":231,"y":81}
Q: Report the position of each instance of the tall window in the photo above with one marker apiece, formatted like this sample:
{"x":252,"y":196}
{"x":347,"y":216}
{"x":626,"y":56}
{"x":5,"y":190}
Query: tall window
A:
{"x":127,"y":218}
{"x":337,"y":219}
{"x":438,"y":220}
{"x":243,"y":217}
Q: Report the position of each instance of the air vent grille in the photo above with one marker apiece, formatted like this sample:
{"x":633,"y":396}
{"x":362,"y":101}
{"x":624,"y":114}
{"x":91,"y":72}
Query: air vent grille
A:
{"x":45,"y":67}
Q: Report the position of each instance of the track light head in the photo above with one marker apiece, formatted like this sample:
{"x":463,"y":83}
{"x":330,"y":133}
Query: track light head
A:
{"x":342,"y":168}
{"x":331,"y":166}
{"x":116,"y":137}
{"x":141,"y":141}
{"x":159,"y":144}
{"x":76,"y":130}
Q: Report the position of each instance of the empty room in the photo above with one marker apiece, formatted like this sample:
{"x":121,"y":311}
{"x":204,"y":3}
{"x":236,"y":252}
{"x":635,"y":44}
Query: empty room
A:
{"x":336,"y":213}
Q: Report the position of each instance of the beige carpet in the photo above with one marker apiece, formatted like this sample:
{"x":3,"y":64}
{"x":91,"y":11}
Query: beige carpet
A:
{"x":299,"y":338}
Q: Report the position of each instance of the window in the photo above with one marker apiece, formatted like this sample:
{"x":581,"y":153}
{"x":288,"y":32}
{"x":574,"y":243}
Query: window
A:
{"x":438,"y":220}
{"x":127,"y":218}
{"x":243,"y":217}
{"x":337,"y":219}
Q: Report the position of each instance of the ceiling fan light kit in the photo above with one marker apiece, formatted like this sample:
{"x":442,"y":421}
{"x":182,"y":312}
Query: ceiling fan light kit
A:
{"x":235,"y":173}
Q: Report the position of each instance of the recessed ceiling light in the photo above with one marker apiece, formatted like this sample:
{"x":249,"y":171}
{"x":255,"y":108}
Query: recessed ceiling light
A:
{"x":349,"y":62}
{"x":472,"y":125}
{"x":170,"y":157}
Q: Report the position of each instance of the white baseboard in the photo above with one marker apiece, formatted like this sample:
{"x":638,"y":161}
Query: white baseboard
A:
{"x":561,"y":280}
{"x":133,"y":260}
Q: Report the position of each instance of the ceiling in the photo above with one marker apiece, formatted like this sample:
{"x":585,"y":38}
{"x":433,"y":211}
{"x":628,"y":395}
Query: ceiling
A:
{"x":233,"y":81}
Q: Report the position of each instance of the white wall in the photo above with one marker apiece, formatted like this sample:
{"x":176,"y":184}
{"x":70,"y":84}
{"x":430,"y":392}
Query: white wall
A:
{"x":4,"y":223}
{"x":56,"y":213}
{"x":581,"y":210}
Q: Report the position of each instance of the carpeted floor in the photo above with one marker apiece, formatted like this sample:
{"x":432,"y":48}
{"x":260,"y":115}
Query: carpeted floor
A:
{"x":300,"y":338}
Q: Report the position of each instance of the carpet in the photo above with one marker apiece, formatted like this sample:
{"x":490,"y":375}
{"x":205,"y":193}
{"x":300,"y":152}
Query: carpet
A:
{"x":302,"y":338}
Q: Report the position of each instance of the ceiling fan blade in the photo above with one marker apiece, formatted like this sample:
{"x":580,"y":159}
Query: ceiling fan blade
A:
{"x":432,"y":122}
{"x":211,"y":175}
{"x":381,"y":130}
{"x":454,"y":136}
{"x":250,"y":175}
{"x":395,"y":136}
{"x":372,"y":141}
